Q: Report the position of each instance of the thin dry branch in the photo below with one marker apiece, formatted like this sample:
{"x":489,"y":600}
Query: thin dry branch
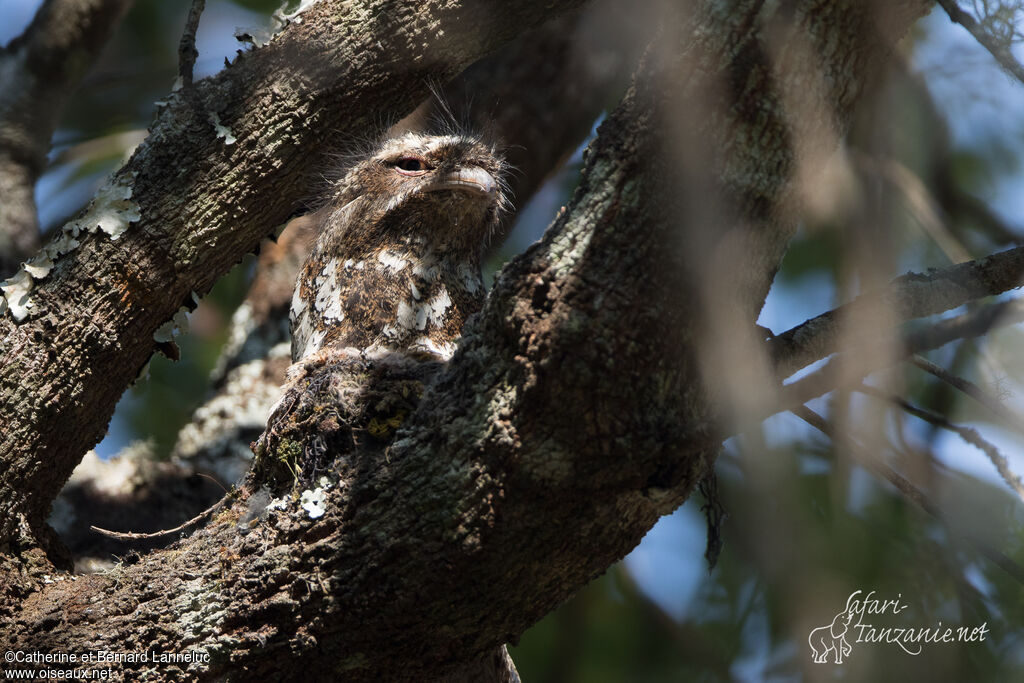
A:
{"x":910,"y":296}
{"x":908,"y":490}
{"x":871,"y":463}
{"x":134,"y":536}
{"x":968,"y":434}
{"x":975,"y":323}
{"x":976,"y":392}
{"x":1000,"y":51}
{"x":883,"y":351}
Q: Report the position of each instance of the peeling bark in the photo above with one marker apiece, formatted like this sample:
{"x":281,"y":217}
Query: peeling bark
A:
{"x":539,"y":96}
{"x":201,"y":204}
{"x":576,"y":411}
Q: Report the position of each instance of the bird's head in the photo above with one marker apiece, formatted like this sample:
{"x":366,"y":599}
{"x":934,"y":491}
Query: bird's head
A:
{"x":445,"y":190}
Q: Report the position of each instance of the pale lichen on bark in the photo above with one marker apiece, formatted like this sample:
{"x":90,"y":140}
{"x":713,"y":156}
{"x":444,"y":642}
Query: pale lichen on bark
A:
{"x":573,"y":414}
{"x":201,"y":208}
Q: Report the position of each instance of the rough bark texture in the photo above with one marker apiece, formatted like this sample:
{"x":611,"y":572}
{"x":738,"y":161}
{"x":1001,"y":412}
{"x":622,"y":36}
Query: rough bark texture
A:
{"x":225,"y":163}
{"x":539,"y":97}
{"x":575,"y":412}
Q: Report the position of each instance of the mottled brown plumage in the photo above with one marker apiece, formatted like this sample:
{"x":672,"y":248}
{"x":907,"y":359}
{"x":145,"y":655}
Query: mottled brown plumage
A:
{"x":397,"y":264}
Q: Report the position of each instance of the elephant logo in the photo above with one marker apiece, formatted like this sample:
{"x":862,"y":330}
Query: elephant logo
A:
{"x":832,"y":638}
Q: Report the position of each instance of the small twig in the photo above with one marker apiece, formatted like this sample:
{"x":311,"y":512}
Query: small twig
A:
{"x":132,"y":536}
{"x":215,"y":480}
{"x":874,"y":464}
{"x":714,"y":515}
{"x":1001,"y":53}
{"x":968,"y":434}
{"x":187,"y":52}
{"x":907,"y":488}
{"x":993,"y":404}
{"x":829,"y":377}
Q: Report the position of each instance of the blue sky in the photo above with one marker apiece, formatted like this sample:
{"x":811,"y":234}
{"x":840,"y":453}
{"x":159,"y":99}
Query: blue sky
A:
{"x":669,"y":564}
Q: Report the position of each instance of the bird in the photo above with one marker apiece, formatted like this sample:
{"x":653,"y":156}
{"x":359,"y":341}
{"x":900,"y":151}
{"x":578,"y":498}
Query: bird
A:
{"x":379,"y":303}
{"x":396,"y":267}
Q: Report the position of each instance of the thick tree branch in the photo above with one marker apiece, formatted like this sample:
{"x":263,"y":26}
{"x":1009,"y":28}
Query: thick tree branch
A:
{"x":574,"y":413}
{"x":533,"y":421}
{"x":539,"y":96}
{"x":204,"y":188}
{"x":41,"y":68}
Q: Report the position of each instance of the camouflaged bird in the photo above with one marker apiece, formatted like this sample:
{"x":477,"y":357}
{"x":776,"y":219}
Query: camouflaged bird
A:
{"x":380,"y":302}
{"x":396,"y":267}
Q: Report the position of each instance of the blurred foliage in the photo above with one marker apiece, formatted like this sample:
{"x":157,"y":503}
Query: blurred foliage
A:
{"x":807,"y":525}
{"x":612,"y":632}
{"x":795,"y":549}
{"x":160,"y":406}
{"x":137,"y":69}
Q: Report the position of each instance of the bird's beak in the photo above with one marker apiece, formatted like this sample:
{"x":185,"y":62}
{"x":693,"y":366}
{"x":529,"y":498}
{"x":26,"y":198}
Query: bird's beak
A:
{"x":468,"y":179}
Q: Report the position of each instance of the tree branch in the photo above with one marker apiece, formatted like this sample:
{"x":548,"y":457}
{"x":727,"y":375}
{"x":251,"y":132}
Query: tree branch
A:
{"x":187,"y":52}
{"x":852,"y":365}
{"x":204,"y":188}
{"x":987,"y":400}
{"x":41,"y":69}
{"x":975,"y":323}
{"x":574,"y":413}
{"x":539,"y":96}
{"x":969,"y":435}
{"x":909,"y":296}
{"x":1001,"y":52}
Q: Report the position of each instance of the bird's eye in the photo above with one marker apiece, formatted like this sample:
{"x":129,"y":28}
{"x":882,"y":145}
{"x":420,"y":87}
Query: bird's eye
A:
{"x":411,"y":165}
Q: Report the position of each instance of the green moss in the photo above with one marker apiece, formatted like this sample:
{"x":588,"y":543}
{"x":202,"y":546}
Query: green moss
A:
{"x":279,"y":463}
{"x":288,"y":452}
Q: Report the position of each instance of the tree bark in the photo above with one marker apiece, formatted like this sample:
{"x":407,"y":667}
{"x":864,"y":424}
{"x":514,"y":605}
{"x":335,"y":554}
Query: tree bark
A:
{"x":538,"y":97}
{"x":41,"y":68}
{"x":227,"y":162}
{"x":581,"y":405}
